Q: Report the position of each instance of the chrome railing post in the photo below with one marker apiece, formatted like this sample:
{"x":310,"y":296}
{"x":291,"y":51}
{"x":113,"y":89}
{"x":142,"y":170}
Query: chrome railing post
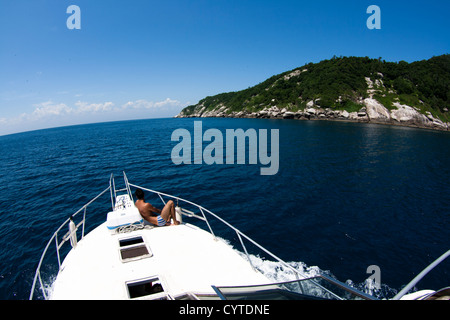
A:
{"x":57,"y":249}
{"x":207,"y":222}
{"x":245,"y":250}
{"x":84,"y":222}
{"x":114,"y":187}
{"x":162,"y":199}
{"x":42,"y":286}
{"x":111,"y":191}
{"x":127,"y":186}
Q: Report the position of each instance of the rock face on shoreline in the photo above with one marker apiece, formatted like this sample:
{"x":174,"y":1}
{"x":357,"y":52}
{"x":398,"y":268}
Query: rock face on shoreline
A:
{"x":371,"y":112}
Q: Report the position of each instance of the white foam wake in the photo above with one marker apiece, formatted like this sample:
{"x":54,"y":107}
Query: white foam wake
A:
{"x":278,"y":272}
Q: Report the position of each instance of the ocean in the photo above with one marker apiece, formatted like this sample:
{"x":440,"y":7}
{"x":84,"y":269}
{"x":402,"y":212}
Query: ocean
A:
{"x":346,"y":196}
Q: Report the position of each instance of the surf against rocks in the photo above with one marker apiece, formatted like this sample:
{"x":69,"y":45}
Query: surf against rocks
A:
{"x":214,"y":152}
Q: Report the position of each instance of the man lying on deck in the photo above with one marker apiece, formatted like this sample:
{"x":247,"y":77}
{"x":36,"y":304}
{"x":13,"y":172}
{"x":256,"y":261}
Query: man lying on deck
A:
{"x":150,"y":213}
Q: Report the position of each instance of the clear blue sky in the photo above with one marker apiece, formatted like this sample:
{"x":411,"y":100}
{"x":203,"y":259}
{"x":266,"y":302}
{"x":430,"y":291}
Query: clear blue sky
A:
{"x":144,"y":59}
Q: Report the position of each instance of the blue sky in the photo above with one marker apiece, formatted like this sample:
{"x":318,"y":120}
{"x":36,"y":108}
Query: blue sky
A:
{"x":146,"y":59}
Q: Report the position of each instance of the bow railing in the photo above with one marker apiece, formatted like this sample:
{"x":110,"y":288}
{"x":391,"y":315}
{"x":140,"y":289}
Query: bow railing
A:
{"x":201,"y":215}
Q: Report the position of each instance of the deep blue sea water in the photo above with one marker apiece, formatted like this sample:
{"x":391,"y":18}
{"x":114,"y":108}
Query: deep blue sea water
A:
{"x":346,"y":195}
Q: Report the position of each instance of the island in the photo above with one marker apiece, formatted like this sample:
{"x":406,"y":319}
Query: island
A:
{"x":358,"y":89}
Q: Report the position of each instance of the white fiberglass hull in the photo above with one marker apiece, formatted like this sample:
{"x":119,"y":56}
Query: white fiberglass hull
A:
{"x":184,"y":258}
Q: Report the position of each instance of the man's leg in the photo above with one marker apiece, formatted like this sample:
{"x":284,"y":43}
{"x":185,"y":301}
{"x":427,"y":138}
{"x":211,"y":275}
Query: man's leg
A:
{"x":168,"y":212}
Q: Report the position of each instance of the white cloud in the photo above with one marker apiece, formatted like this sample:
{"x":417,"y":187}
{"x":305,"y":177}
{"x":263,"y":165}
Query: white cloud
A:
{"x":93,"y":107}
{"x":144,"y":104}
{"x":50,"y":114}
{"x":49,"y":108}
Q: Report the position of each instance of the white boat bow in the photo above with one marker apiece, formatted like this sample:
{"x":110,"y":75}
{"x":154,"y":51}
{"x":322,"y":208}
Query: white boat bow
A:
{"x":126,"y":258}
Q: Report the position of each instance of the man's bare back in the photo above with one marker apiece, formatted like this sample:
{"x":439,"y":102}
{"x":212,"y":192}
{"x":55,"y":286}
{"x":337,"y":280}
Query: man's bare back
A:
{"x":146,"y":209}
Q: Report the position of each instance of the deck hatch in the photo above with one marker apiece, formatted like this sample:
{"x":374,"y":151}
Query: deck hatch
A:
{"x":150,"y":288}
{"x":133,"y":248}
{"x":134,"y":252}
{"x":130,"y":241}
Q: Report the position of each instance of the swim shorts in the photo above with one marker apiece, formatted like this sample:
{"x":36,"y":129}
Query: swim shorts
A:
{"x":161,"y":221}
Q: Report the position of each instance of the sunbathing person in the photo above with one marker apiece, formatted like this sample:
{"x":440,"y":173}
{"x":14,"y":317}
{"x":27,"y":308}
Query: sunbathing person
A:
{"x":153,"y":215}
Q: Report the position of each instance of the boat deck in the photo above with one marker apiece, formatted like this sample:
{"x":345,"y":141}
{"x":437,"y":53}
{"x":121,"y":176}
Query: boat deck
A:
{"x":183,"y":259}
